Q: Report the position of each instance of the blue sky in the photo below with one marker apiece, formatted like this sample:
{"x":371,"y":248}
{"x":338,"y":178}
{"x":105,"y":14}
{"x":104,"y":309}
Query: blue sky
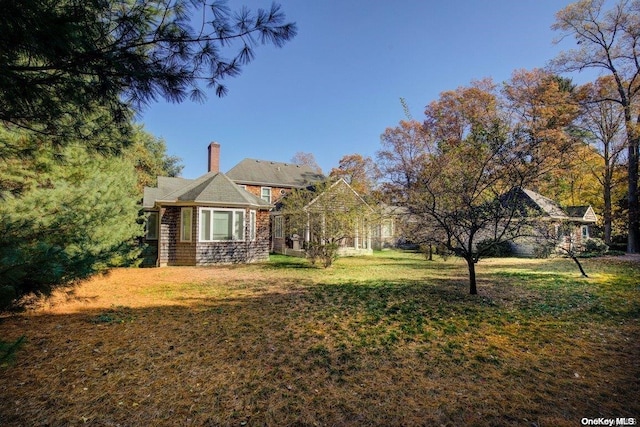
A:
{"x":335,"y":88}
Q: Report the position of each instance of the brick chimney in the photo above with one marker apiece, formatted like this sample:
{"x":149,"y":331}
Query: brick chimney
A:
{"x":214,"y":157}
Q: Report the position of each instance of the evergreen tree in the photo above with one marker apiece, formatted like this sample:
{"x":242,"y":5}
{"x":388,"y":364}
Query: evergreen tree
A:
{"x":65,"y":215}
{"x":61,"y":56}
{"x":150,"y":159}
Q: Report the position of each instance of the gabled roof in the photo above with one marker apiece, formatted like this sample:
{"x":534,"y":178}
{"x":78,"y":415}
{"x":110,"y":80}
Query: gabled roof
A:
{"x":336,"y":187}
{"x":553,"y":210}
{"x":584,"y":213}
{"x":319,"y":194}
{"x":545,"y":204}
{"x":210,"y":189}
{"x":273,"y":174}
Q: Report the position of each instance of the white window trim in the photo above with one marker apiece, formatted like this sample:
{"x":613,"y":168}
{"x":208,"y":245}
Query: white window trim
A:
{"x":186,"y":212}
{"x":585,"y":231}
{"x":253,"y":232}
{"x":148,"y":234}
{"x":233,"y":226}
{"x":262,"y":196}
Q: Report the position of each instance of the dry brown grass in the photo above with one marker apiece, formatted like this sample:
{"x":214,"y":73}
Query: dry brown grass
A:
{"x":387,"y":341}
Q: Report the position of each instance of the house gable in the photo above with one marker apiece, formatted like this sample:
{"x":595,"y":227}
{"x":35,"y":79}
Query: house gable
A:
{"x":339,"y":186}
{"x":582,"y":213}
{"x":325,"y":201}
{"x":214,"y":189}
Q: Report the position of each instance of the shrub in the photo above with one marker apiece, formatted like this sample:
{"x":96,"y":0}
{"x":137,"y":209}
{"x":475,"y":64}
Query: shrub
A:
{"x":493,"y":248}
{"x":327,"y":253}
{"x":595,"y":246}
{"x":543,"y":250}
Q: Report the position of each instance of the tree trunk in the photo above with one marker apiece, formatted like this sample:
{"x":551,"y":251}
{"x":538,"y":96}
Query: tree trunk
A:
{"x":608,"y":217}
{"x":633,"y":239}
{"x":473,"y":290}
{"x":633,"y":242}
{"x":607,"y":185}
{"x":575,"y":259}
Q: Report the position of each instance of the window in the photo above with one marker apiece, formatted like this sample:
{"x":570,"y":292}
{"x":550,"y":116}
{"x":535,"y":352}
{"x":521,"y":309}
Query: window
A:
{"x":278,"y":227}
{"x":585,"y":231}
{"x":387,"y":228}
{"x":221,"y":224}
{"x":252,"y":225}
{"x":265,"y":194}
{"x":186,"y":220}
{"x":152,"y":226}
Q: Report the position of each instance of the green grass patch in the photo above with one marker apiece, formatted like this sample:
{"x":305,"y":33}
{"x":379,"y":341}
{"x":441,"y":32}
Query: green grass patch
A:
{"x":385,"y":340}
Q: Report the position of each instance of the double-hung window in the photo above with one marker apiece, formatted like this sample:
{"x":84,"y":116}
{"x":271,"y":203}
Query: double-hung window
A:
{"x":278,"y":225}
{"x":152,"y":226}
{"x":186,"y":220}
{"x":265,"y":194}
{"x":387,"y":228}
{"x":585,"y":231}
{"x":221,"y":224}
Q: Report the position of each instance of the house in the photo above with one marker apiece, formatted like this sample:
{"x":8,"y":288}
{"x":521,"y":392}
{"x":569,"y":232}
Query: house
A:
{"x":569,"y":227}
{"x":204,"y":221}
{"x":225,"y":218}
{"x":327,"y":215}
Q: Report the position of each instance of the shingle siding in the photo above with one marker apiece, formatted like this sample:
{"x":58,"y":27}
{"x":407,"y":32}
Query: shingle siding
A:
{"x":175,"y":252}
{"x":209,"y":253}
{"x":172,"y":250}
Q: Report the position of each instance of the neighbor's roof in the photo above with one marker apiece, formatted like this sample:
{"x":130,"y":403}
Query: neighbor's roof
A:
{"x":210,"y":189}
{"x":552,"y":209}
{"x":273,"y":174}
{"x":585,"y":213}
{"x":547,"y":205}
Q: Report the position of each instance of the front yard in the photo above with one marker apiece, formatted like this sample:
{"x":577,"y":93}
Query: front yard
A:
{"x":379,"y":341}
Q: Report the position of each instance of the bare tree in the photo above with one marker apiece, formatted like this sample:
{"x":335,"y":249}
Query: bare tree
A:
{"x":459,"y":175}
{"x":306,"y":159}
{"x":603,"y":122}
{"x":608,"y":41}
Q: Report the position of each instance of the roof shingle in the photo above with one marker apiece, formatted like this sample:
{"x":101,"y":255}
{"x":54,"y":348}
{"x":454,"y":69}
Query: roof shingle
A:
{"x":210,"y":189}
{"x":273,"y":174}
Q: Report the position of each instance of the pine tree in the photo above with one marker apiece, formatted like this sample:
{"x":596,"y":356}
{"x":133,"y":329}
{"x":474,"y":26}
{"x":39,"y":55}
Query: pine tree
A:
{"x":65,"y":215}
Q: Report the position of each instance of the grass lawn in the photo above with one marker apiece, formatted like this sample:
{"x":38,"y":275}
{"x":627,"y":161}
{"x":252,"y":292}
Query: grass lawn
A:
{"x":379,"y":341}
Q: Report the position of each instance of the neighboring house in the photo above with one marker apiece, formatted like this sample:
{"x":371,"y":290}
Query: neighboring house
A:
{"x":204,"y":221}
{"x":570,"y":227}
{"x":335,"y":215}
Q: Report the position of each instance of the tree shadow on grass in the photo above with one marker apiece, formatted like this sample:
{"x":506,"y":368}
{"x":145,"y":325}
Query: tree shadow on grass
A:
{"x":286,"y":352}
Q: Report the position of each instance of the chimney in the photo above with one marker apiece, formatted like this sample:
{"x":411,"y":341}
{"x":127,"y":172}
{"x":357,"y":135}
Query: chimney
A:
{"x":214,"y":157}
